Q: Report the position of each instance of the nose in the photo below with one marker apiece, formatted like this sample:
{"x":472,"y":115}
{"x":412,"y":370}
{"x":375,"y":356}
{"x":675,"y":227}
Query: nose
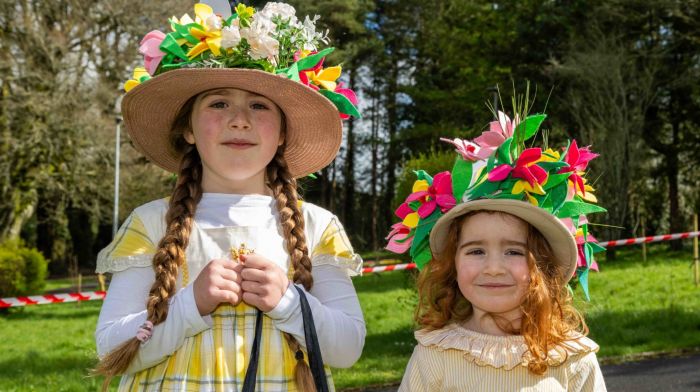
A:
{"x":239,"y":120}
{"x":493,"y":264}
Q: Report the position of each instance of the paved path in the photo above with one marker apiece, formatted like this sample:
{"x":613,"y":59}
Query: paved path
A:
{"x":676,"y":374}
{"x":661,"y":374}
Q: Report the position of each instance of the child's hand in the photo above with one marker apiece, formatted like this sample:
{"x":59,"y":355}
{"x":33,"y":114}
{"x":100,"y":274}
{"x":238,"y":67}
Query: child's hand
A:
{"x":219,"y":281}
{"x":264,"y":282}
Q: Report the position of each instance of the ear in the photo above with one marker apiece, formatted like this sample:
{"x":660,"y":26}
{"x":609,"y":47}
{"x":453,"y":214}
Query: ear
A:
{"x":189,"y":136}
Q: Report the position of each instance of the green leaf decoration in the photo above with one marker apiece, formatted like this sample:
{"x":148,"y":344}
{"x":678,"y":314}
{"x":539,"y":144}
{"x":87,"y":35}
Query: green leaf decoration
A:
{"x":423,"y":175}
{"x":311,"y":61}
{"x":595,"y":247}
{"x":575,"y":208}
{"x":503,"y":152}
{"x":506,"y":195}
{"x":414,"y":205}
{"x":528,"y":127}
{"x":423,"y":258}
{"x":341,"y":102}
{"x":583,"y":279}
{"x":483,"y":189}
{"x":552,"y":166}
{"x":507,"y":185}
{"x":557,"y":197}
{"x":423,"y":230}
{"x":461,"y":177}
{"x":555,"y":179}
{"x":312,"y":176}
{"x":491,"y":163}
{"x":170,"y":45}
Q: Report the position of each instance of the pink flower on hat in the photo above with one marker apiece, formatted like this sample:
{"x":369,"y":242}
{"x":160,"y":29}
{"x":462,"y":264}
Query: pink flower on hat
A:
{"x":580,"y":243}
{"x":398,"y":241}
{"x":468,"y":150}
{"x":439,"y":194}
{"x":498,"y":132}
{"x":150,"y":48}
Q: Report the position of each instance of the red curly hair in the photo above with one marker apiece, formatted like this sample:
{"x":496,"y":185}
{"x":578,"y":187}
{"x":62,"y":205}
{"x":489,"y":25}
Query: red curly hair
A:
{"x":549,"y":316}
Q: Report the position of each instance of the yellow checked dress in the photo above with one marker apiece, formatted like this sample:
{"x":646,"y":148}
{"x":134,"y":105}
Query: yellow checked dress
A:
{"x":217,"y":358}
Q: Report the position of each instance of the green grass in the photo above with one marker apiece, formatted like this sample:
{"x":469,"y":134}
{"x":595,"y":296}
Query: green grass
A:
{"x":636,"y":307}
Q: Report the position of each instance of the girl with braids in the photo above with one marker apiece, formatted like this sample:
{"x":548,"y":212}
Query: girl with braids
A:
{"x":192,"y":272}
{"x":497,"y":239}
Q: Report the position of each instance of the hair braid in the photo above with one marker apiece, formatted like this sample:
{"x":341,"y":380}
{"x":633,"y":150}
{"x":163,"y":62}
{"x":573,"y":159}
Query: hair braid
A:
{"x":167,"y":260}
{"x":284,"y":190}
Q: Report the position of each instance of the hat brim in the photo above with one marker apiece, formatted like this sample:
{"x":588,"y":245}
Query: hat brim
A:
{"x":554,"y":231}
{"x":312,"y":123}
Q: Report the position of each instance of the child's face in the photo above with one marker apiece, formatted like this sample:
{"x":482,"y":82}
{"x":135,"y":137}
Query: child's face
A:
{"x":491,"y":262}
{"x":237,"y":134}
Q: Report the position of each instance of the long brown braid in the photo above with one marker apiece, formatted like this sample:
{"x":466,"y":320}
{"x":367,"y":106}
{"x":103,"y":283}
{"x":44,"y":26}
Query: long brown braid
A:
{"x":284,"y":190}
{"x":170,"y":254}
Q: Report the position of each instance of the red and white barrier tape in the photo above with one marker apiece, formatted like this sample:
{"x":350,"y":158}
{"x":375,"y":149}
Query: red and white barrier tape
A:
{"x":656,"y":238}
{"x":51,"y":299}
{"x":392,"y":267}
{"x":95,"y":295}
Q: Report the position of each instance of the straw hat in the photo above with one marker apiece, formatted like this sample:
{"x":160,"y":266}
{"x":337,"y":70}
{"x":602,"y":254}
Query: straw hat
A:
{"x":269,"y":53}
{"x":497,"y":171}
{"x":313,"y":127}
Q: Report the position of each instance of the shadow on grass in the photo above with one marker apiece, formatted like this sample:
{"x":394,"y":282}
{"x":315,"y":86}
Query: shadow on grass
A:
{"x":39,"y":365}
{"x":620,"y":333}
{"x":396,"y":343}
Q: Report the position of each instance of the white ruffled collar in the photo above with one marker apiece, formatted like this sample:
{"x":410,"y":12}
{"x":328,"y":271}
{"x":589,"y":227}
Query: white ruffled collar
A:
{"x":505,"y":352}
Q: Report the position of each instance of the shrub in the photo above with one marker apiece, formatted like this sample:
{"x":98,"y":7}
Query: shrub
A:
{"x":22,"y":270}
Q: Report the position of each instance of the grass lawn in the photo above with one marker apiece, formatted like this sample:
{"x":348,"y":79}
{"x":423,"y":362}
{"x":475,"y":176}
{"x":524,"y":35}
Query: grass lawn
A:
{"x":636,"y":307}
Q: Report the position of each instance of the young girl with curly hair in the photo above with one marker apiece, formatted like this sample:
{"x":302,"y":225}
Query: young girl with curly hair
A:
{"x":495,"y":312}
{"x":209,"y":286}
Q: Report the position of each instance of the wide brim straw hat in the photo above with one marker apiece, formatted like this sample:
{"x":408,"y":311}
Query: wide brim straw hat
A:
{"x":313,"y":129}
{"x":554,"y":231}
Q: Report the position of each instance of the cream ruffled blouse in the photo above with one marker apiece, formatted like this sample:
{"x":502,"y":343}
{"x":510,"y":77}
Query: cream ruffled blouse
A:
{"x":454,"y":358}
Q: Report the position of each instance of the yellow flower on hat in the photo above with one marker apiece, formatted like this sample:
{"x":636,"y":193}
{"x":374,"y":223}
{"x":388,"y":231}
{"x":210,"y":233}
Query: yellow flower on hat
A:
{"x":210,"y":33}
{"x":140,"y":75}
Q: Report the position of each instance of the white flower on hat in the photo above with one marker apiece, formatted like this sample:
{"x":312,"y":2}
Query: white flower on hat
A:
{"x":264,"y":47}
{"x":213,"y":22}
{"x":285,"y":11}
{"x":259,"y":37}
{"x":230,"y":37}
{"x":310,"y":35}
{"x":260,"y":27}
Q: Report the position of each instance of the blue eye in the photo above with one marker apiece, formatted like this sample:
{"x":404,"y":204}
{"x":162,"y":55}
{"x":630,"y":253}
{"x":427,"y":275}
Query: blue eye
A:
{"x":515,"y":252}
{"x":475,"y":252}
{"x":258,"y":106}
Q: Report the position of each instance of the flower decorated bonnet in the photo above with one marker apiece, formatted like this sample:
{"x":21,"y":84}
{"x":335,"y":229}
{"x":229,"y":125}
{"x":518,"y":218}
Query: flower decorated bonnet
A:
{"x":497,"y":172}
{"x":268,"y":52}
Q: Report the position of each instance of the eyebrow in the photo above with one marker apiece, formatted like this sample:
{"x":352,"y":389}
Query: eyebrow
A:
{"x":507,"y":242}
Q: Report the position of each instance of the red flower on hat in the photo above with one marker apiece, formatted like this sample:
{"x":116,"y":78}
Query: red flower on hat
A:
{"x":578,"y":159}
{"x":525,"y":168}
{"x":439,"y":194}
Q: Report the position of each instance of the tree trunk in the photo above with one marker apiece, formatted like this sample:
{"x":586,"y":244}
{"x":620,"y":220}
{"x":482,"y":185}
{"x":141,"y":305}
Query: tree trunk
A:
{"x":349,"y":174}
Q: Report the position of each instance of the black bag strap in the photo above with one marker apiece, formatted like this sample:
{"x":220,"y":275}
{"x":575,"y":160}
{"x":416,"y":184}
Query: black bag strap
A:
{"x":312,"y":347}
{"x":252,"y":371}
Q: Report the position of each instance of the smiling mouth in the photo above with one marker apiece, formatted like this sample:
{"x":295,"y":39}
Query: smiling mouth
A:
{"x":495,"y":285}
